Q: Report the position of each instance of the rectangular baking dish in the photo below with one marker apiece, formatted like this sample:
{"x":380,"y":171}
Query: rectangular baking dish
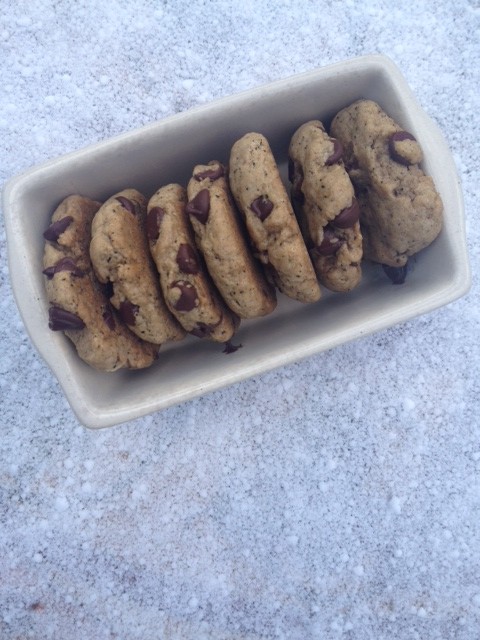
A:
{"x":166,"y":151}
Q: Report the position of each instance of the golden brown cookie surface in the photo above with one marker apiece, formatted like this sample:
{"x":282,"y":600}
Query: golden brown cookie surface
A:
{"x":120,"y":255}
{"x":324,"y":201}
{"x":79,"y":304}
{"x":188,"y":290}
{"x":401,"y":211}
{"x":221,"y":238}
{"x":263,"y":200}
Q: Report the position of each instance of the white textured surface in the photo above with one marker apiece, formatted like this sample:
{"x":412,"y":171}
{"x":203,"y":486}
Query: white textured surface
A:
{"x":335,"y":498}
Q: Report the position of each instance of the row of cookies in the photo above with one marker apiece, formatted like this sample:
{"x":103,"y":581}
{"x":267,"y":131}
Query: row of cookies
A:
{"x":127,"y":275}
{"x":185,"y":262}
{"x":359,"y":192}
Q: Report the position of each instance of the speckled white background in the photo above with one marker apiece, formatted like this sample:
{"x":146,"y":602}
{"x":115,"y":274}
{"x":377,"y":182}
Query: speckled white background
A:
{"x":334,"y":498}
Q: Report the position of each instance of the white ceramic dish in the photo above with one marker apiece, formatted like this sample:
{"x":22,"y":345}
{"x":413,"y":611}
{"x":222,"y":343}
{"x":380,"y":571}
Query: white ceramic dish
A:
{"x":167,"y":151}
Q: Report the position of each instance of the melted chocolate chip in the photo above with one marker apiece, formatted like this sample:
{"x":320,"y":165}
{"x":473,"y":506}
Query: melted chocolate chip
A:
{"x":348,"y":217}
{"x":49,"y":272}
{"x":231,"y":348}
{"x":61,"y":320}
{"x":108,"y":289}
{"x":187,"y":260}
{"x":337,"y":153}
{"x":398,"y":136}
{"x":56,"y":229}
{"x":128,"y":311}
{"x":127,"y":204}
{"x":64,"y":264}
{"x":330,"y":243}
{"x":188,"y":296}
{"x":199,"y":207}
{"x":262,"y":207}
{"x":154,"y":220}
{"x":396,"y":274}
{"x":202,"y":330}
{"x":393,"y":149}
{"x":213,"y":174}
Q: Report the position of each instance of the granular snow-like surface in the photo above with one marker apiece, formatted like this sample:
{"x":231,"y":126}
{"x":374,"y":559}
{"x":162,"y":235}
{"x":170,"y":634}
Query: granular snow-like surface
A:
{"x":334,"y":498}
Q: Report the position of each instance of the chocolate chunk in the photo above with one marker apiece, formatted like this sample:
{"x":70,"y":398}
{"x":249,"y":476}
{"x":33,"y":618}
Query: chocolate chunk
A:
{"x":330,"y":243}
{"x":64,"y":264}
{"x":109,"y":319}
{"x":49,"y":272}
{"x":199,"y":207}
{"x":127,"y":204}
{"x":393,"y":147}
{"x":128,"y":311}
{"x":108,"y":289}
{"x":187,"y":260}
{"x":396,"y":274}
{"x":202,"y":330}
{"x":61,"y":320}
{"x":337,"y":153}
{"x":262,"y":207}
{"x":154,"y":220}
{"x":231,"y":348}
{"x":188,"y":299}
{"x":56,"y":229}
{"x":348,"y":217}
{"x":213,"y":174}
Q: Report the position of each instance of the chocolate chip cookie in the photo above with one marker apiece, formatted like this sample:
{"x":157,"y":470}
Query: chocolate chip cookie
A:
{"x":120,"y":256}
{"x":324,"y":201}
{"x":221,"y":238}
{"x":400,"y":209}
{"x":79,"y":304}
{"x":263,"y":201}
{"x":188,"y":290}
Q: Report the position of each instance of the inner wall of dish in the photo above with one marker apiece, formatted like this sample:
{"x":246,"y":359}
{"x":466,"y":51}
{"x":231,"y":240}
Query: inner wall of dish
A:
{"x":166,"y":152}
